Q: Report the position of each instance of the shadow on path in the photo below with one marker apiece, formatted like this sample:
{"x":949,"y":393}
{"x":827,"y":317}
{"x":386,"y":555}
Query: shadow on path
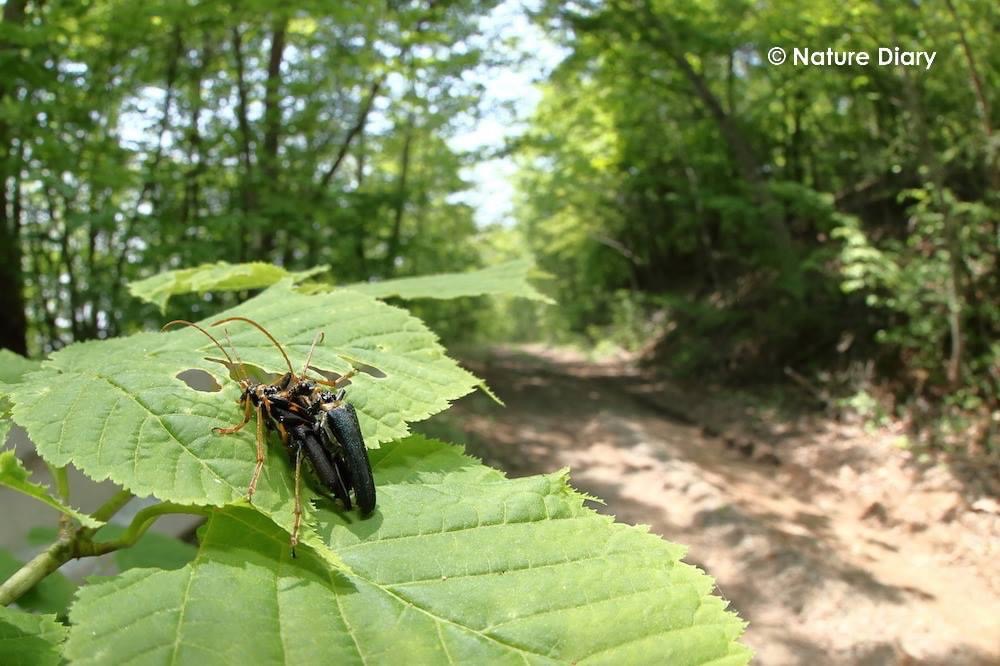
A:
{"x":794,"y":551}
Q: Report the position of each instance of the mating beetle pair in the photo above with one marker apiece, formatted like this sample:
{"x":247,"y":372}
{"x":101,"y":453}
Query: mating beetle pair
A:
{"x":313,"y":421}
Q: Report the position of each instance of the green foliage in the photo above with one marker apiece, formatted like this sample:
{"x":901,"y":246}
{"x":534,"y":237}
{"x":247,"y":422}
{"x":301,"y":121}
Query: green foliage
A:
{"x":460,"y":564}
{"x":117,"y":409}
{"x":13,"y":366}
{"x":914,"y":279}
{"x":14,"y":476}
{"x":220,"y":276}
{"x":153,"y":550}
{"x":668,"y":158}
{"x":508,"y":278}
{"x":30,"y":640}
{"x":153,"y":136}
{"x":505,"y":279}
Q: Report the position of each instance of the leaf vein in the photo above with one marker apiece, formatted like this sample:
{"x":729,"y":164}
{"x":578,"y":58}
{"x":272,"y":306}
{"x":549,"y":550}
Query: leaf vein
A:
{"x":658,"y":632}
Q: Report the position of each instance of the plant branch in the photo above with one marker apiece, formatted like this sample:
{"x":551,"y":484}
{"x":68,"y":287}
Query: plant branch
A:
{"x":41,"y":566}
{"x":78,"y":544}
{"x":142,"y":522}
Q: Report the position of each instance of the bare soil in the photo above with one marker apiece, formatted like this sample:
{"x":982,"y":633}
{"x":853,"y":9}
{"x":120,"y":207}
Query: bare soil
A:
{"x":836,"y":545}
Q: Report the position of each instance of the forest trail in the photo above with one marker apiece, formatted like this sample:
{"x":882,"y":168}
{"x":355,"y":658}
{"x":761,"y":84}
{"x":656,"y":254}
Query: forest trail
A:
{"x":828,"y":540}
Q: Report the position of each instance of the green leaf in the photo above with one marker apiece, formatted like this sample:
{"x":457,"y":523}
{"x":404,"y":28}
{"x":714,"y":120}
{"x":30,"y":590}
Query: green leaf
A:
{"x":14,"y":366}
{"x":506,"y":279}
{"x":29,"y":640}
{"x":14,"y":475}
{"x":152,"y":550}
{"x":220,"y":276}
{"x":52,"y":594}
{"x":458,"y":564}
{"x":117,"y":409}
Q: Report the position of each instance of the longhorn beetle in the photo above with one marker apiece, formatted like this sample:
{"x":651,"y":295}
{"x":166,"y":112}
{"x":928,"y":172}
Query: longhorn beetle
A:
{"x":311,"y":421}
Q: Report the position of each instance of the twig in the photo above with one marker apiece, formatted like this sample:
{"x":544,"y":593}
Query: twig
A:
{"x":41,"y":566}
{"x":78,"y":544}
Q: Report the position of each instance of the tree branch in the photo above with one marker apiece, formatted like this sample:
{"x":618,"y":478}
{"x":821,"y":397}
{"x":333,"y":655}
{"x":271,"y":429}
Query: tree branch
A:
{"x":78,"y":544}
{"x":354,"y":131}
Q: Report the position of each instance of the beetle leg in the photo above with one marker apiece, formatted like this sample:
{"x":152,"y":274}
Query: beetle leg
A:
{"x":260,"y":456}
{"x":335,"y":383}
{"x":298,"y":498}
{"x":239,"y":426}
{"x":346,"y":377}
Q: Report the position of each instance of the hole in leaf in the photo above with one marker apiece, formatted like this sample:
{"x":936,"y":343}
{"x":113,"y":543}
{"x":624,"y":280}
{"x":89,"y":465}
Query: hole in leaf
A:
{"x":199,"y":380}
{"x":240,"y":371}
{"x":329,"y":375}
{"x":370,"y":370}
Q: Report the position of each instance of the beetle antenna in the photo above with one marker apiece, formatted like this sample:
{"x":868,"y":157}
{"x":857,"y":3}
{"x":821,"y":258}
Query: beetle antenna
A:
{"x":184,"y":322}
{"x":316,"y":340}
{"x":264,"y":331}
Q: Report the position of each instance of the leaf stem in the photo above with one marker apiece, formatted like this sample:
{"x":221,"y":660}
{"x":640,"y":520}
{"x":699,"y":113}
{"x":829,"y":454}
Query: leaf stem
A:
{"x":142,"y":522}
{"x":61,"y":479}
{"x":78,"y":544}
{"x":112,"y":506}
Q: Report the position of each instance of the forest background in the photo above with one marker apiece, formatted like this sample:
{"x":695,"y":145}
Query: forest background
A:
{"x":833,"y":228}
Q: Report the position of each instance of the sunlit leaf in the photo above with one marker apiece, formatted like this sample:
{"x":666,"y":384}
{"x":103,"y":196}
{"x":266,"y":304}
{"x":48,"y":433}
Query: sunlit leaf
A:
{"x":506,"y":279}
{"x":220,"y":276}
{"x":14,"y":366}
{"x":117,"y":408}
{"x":458,"y":565}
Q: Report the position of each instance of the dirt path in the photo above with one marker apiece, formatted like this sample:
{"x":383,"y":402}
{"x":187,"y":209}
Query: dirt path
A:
{"x":828,"y":541}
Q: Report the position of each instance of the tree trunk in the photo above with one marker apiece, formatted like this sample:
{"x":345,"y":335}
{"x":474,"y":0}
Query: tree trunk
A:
{"x":13,"y":321}
{"x":272,"y":132}
{"x":955,"y":281}
{"x":401,"y":196}
{"x":248,"y":200}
